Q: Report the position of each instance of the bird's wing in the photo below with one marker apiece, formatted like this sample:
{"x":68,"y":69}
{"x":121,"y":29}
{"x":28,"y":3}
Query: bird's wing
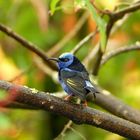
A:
{"x":68,"y":73}
{"x":75,"y":81}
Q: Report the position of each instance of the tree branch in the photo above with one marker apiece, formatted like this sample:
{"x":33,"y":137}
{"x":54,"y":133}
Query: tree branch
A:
{"x":77,"y":113}
{"x":27,"y":45}
{"x":119,"y":14}
{"x":17,"y":105}
{"x":66,"y":127}
{"x":85,"y":39}
{"x":118,"y":51}
{"x":117,"y":107}
{"x":113,"y":17}
{"x":113,"y":105}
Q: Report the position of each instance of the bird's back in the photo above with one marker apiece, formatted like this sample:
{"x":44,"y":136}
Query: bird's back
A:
{"x":78,"y":66}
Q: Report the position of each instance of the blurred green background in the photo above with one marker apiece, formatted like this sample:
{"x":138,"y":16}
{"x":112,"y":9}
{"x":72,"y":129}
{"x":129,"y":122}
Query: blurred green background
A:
{"x":30,"y":19}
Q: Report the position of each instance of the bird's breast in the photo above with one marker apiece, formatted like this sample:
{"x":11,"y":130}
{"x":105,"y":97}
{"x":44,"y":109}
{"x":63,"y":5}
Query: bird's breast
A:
{"x":62,"y":81}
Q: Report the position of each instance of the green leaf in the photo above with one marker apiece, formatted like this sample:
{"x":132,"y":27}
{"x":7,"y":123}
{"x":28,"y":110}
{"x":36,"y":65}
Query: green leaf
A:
{"x":4,"y":122}
{"x":100,"y":22}
{"x":78,"y":4}
{"x":2,"y":95}
{"x":53,"y":6}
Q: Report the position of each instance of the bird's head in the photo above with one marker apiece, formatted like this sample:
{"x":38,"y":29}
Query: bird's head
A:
{"x":64,"y":60}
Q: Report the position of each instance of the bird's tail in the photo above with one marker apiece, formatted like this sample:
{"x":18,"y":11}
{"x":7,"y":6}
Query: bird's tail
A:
{"x":92,"y":88}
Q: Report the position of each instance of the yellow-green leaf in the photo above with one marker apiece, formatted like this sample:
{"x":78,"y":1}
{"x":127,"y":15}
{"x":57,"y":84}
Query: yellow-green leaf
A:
{"x":100,"y":22}
{"x":78,"y":4}
{"x":53,"y":6}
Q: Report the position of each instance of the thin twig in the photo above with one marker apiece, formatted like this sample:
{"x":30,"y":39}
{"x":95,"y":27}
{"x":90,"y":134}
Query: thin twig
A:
{"x":118,"y":51}
{"x":113,"y":17}
{"x":30,"y":46}
{"x":69,"y":36}
{"x":75,"y":112}
{"x":84,"y":40}
{"x":92,"y":55}
{"x":67,"y":126}
{"x":90,"y":58}
{"x":119,"y":14}
{"x":78,"y":133}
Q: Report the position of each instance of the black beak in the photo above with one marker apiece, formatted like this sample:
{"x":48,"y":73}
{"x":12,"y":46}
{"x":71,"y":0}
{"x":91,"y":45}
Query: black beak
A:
{"x":54,"y":59}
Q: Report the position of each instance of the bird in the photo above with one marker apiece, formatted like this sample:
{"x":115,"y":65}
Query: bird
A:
{"x":74,"y":77}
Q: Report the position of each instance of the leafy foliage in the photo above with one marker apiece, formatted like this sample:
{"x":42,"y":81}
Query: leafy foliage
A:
{"x":53,"y":6}
{"x":100,"y":23}
{"x":120,"y":75}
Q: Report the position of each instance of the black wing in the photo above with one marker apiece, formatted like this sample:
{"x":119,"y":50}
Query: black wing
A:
{"x":75,"y":81}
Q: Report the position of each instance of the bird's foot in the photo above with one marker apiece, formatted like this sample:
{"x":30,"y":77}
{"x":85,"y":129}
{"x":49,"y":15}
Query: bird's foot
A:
{"x":84,"y":103}
{"x":68,"y":97}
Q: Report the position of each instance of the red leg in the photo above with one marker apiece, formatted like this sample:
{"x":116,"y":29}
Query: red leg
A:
{"x":85,"y":103}
{"x":68,"y":97}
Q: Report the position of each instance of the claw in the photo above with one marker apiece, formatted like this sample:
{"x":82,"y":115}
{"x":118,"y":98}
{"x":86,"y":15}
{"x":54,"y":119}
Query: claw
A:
{"x":85,"y":103}
{"x":68,"y":97}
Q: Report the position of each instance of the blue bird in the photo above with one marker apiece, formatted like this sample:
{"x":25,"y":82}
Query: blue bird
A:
{"x":74,"y":77}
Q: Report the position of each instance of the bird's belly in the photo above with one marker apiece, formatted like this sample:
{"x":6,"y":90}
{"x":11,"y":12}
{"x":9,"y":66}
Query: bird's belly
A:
{"x":64,"y":86}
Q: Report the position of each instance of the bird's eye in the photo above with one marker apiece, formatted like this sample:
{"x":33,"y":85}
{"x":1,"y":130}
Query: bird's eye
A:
{"x":64,"y":59}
